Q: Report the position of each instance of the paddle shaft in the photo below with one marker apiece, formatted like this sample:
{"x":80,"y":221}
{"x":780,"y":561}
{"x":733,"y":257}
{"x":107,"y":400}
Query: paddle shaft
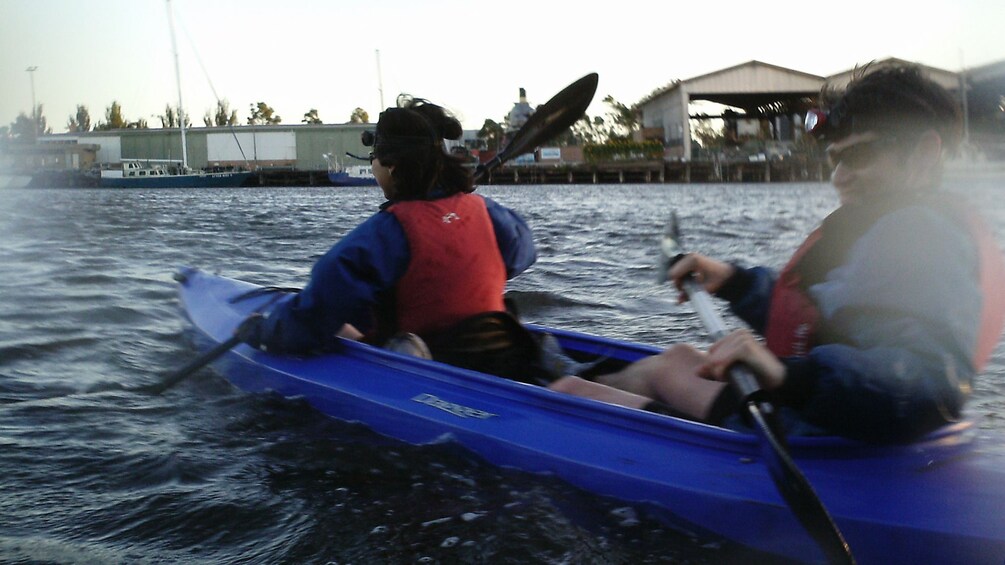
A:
{"x":740,"y":376}
{"x":788,"y":479}
{"x":243,"y":331}
{"x":193,"y":366}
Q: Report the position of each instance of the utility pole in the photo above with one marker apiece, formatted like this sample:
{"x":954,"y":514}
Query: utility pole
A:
{"x":34,"y":114}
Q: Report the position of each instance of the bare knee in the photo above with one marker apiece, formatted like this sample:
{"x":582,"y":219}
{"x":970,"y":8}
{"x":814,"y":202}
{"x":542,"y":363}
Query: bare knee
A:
{"x":570,"y":385}
{"x":680,"y":352}
{"x":587,"y":389}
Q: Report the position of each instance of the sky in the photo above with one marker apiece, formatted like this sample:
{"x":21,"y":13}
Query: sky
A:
{"x":471,"y":57}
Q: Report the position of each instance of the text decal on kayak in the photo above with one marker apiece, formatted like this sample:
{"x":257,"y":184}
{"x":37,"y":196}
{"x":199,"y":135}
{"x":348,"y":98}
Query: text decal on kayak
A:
{"x":455,"y":409}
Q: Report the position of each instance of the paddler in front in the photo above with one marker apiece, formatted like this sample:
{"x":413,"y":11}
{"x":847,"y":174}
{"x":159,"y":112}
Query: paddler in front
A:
{"x":877,"y":326}
{"x":427,"y":272}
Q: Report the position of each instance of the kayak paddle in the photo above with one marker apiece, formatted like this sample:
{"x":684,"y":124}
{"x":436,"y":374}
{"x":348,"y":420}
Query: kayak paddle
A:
{"x":549,"y":120}
{"x":242,"y":332}
{"x":788,"y":479}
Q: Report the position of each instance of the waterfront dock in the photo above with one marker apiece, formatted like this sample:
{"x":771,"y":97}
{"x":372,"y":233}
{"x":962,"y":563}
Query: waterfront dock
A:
{"x":798,"y":169}
{"x":631,"y":172}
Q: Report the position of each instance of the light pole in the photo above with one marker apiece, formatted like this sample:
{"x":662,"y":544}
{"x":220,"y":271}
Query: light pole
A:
{"x":34,"y":118}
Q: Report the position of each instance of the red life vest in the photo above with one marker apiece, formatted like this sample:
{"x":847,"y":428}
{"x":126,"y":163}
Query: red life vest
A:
{"x":992,"y":280}
{"x":456,"y":269}
{"x":793,"y":318}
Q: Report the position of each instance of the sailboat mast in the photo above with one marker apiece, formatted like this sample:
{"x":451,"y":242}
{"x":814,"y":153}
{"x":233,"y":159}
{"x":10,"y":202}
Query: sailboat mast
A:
{"x":177,"y":77}
{"x":380,"y":83}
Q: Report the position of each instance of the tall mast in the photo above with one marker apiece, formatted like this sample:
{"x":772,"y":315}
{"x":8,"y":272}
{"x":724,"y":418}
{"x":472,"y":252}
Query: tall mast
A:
{"x":380,"y":83}
{"x":177,"y":77}
{"x":963,"y":100}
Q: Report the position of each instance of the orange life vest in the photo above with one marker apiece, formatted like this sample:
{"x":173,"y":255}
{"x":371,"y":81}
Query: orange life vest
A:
{"x":456,"y":269}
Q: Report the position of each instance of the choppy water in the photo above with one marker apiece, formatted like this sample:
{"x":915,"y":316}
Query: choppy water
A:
{"x":208,"y":474}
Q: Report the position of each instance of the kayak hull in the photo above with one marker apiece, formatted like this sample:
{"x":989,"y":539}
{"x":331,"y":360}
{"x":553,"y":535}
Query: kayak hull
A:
{"x":938,"y":500}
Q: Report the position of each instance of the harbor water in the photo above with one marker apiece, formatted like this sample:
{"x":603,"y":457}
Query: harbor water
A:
{"x":207,"y":474}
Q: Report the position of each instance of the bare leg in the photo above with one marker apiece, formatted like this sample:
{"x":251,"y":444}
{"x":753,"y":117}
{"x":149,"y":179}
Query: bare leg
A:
{"x":349,"y":331}
{"x":580,"y":387}
{"x":642,"y":376}
{"x":670,"y":377}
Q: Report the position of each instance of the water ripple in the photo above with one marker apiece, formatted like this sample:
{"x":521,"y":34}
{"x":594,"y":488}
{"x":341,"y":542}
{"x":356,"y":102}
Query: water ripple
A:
{"x":94,"y":473}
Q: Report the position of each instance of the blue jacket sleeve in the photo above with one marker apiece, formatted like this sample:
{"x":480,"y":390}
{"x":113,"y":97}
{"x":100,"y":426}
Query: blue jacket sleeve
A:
{"x":748,"y":292}
{"x":906,"y":306}
{"x":345,"y":285}
{"x":516,"y":242}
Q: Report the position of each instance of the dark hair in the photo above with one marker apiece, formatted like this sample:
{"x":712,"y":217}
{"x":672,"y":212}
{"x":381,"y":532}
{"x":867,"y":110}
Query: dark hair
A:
{"x":898,"y":99}
{"x":410,"y":138}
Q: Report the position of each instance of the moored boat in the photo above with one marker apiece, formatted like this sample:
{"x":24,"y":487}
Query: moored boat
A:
{"x":163,"y":173}
{"x":356,"y":175}
{"x":14,"y":180}
{"x":937,"y":500}
{"x":153,"y":174}
{"x":352,"y":175}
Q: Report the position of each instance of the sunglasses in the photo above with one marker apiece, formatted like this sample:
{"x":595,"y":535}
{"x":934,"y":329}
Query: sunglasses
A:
{"x":859,"y":155}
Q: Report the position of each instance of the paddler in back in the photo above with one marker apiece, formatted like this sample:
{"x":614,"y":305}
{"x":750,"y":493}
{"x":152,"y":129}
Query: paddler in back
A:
{"x":877,"y":326}
{"x":425,"y":274}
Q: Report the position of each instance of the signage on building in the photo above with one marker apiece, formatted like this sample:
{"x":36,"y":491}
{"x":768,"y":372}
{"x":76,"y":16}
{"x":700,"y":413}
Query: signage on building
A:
{"x":551,"y":153}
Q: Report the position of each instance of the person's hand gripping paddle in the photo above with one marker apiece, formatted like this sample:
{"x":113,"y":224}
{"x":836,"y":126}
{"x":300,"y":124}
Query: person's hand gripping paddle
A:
{"x":789,"y":480}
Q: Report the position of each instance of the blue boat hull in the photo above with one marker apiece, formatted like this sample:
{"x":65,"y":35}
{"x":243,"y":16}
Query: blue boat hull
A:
{"x":939,"y":500}
{"x":208,"y":180}
{"x":345,"y":179}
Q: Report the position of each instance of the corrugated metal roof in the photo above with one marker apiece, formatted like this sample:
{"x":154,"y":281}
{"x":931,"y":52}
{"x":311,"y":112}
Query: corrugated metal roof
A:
{"x":752,"y":77}
{"x":755,"y":81}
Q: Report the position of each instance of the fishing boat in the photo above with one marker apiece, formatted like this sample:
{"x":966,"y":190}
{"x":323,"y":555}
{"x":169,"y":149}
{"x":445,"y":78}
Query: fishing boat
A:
{"x":154,"y":173}
{"x":938,"y":500}
{"x":352,"y":175}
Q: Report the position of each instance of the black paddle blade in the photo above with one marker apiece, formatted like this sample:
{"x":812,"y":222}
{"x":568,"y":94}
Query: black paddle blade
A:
{"x":796,"y":490}
{"x":551,"y":119}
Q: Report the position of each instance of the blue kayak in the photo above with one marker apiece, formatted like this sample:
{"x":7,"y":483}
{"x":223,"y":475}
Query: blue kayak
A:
{"x":939,"y":500}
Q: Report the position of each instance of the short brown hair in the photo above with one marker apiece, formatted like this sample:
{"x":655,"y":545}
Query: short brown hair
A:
{"x":897,"y":98}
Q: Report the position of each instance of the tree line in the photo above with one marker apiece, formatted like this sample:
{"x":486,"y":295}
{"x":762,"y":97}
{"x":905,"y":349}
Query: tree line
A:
{"x":617,"y":125}
{"x":26,"y":128}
